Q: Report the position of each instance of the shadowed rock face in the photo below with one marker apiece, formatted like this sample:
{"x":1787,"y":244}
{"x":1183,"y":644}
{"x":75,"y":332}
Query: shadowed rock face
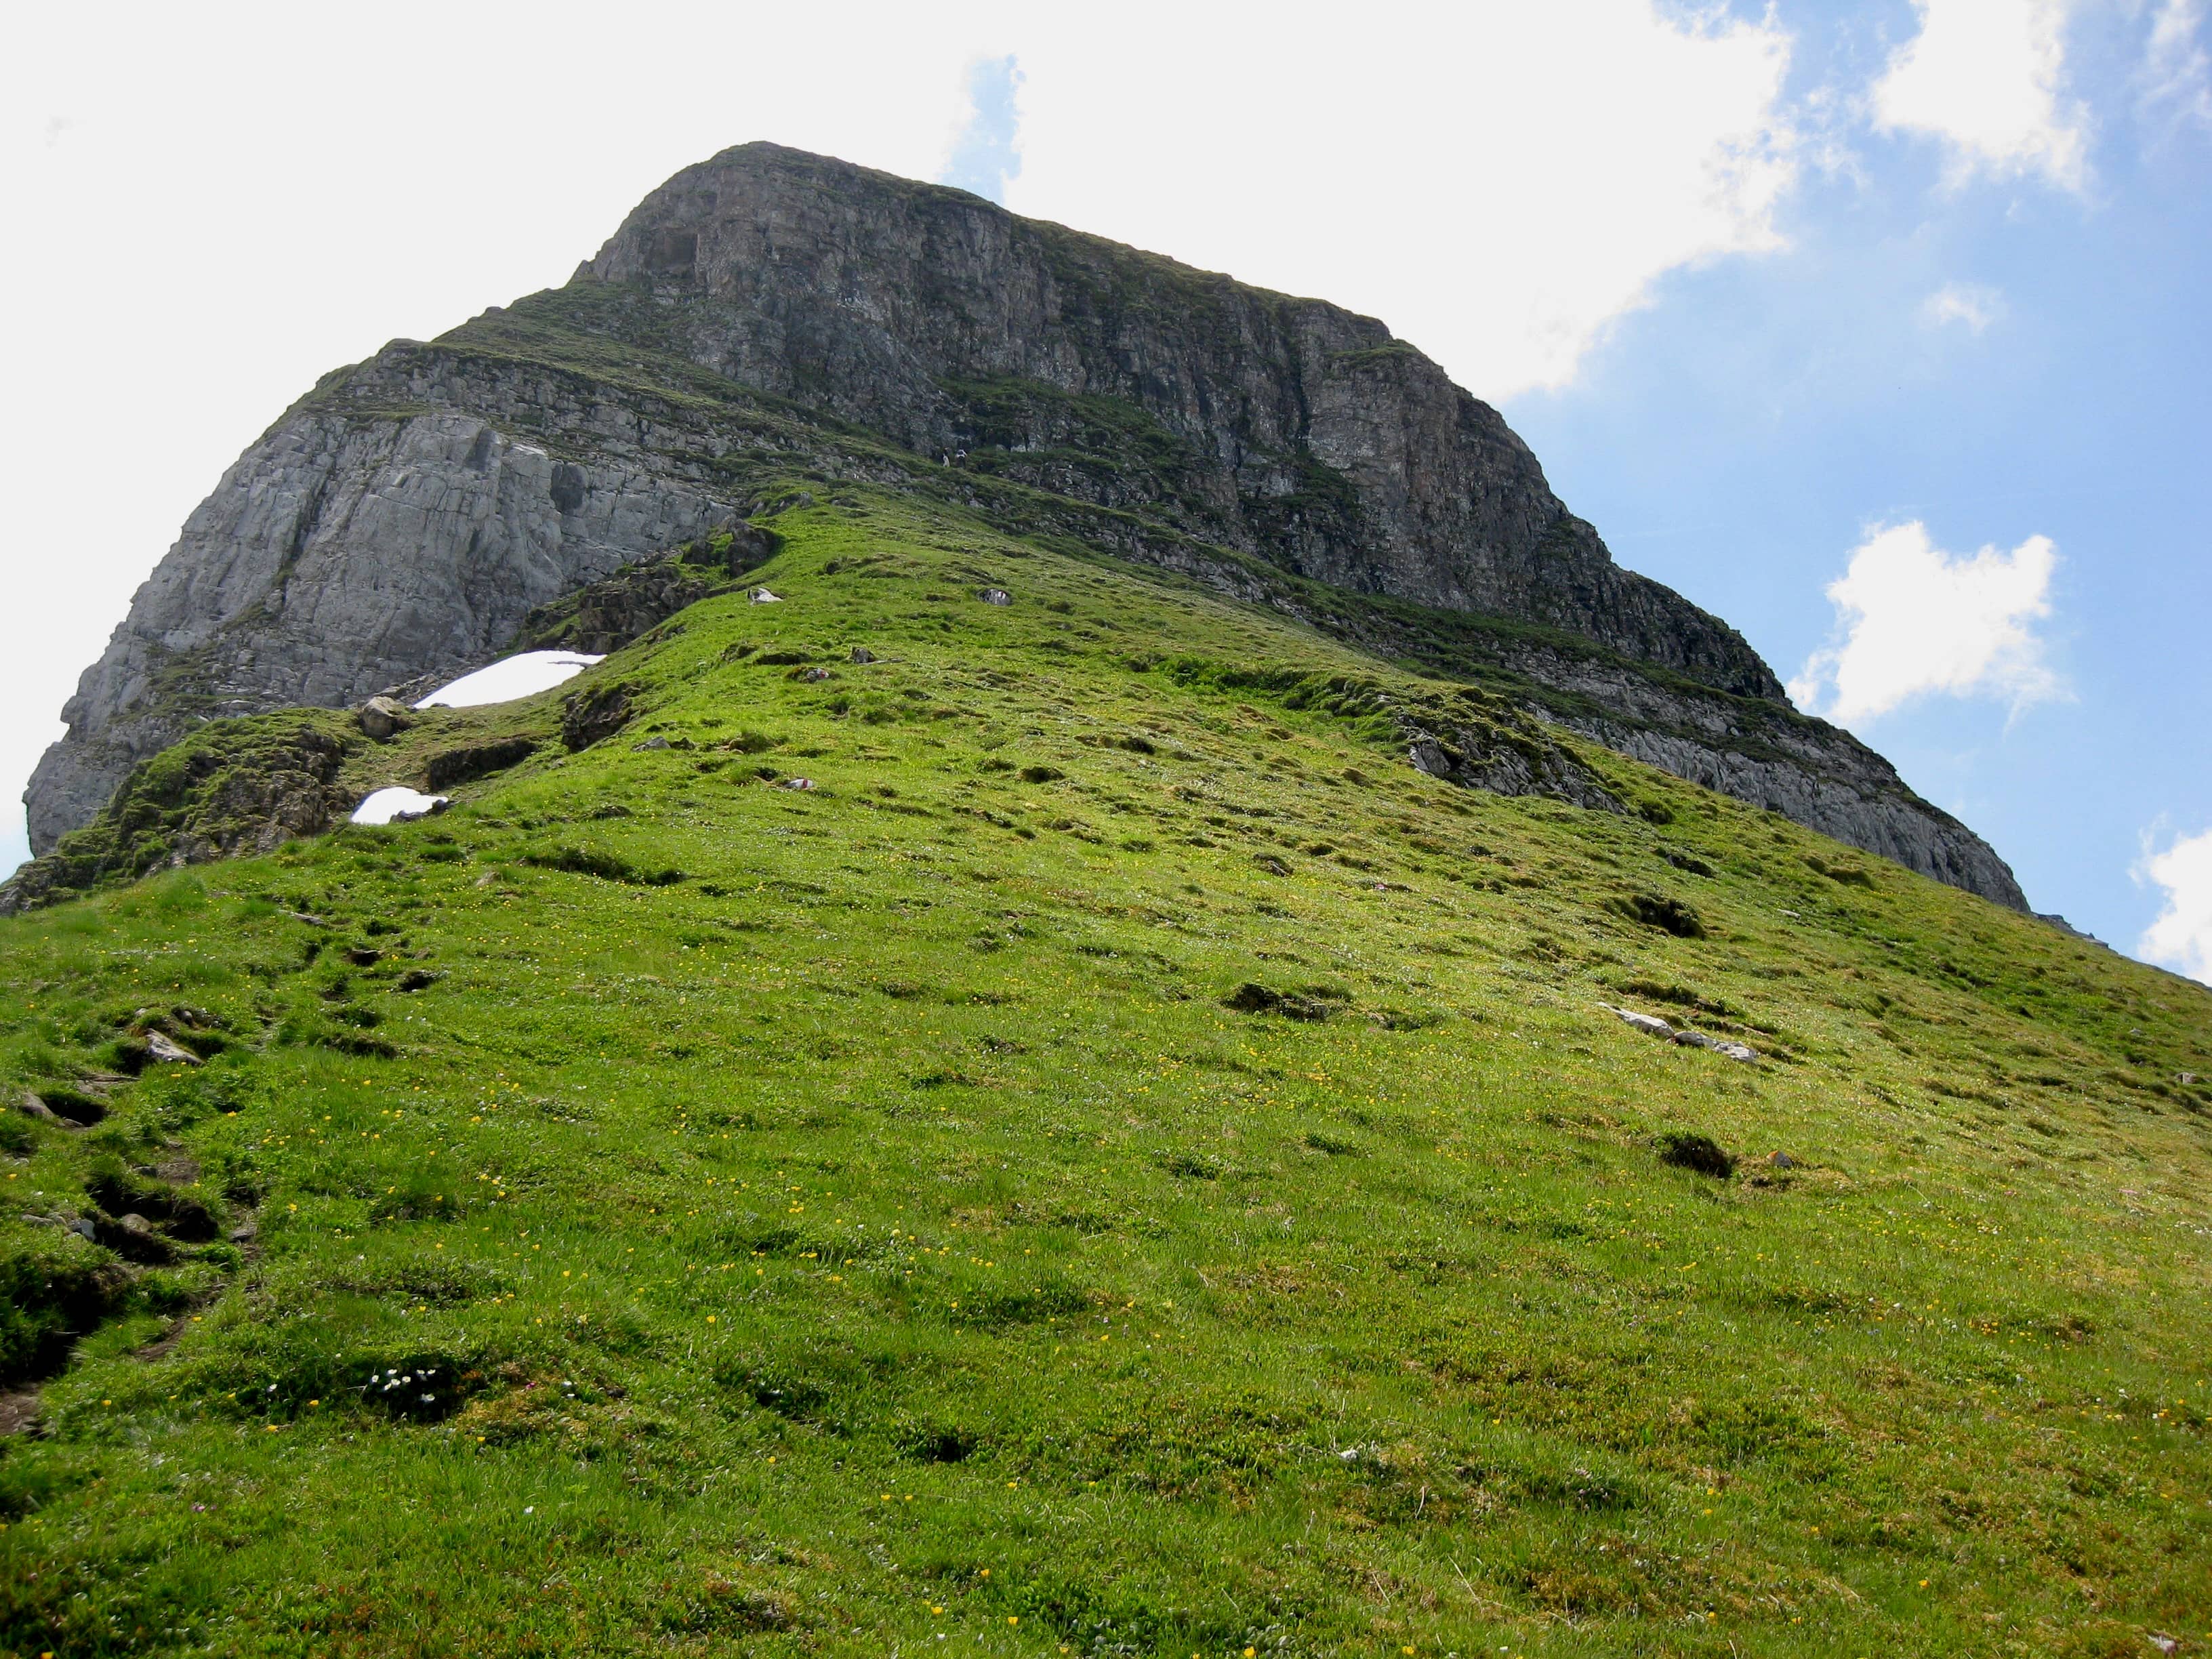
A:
{"x":767,"y":313}
{"x":338,"y":556}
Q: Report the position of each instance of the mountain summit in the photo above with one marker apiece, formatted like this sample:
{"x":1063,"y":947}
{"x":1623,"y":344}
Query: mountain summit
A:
{"x":769,"y":310}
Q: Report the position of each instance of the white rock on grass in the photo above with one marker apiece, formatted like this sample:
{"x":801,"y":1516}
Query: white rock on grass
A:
{"x":397,"y":806}
{"x":761,"y":596}
{"x":1651,"y":1024}
{"x":523,"y":675}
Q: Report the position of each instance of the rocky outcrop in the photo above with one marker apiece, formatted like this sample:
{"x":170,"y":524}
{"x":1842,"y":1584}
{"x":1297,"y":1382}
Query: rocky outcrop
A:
{"x":232,"y":788}
{"x":339,"y":555}
{"x":1476,"y":757}
{"x":601,"y":618}
{"x":1772,"y":757}
{"x":767,"y":313}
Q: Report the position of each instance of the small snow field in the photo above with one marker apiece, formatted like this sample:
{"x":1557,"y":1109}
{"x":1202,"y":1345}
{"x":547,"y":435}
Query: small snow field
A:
{"x":387,"y":804}
{"x":523,"y":675}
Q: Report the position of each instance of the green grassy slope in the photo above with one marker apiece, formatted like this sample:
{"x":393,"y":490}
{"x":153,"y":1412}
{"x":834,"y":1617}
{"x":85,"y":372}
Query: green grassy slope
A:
{"x":863,"y":1218}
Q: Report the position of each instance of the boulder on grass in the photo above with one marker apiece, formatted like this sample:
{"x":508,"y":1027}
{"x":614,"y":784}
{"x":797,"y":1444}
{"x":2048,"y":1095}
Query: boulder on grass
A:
{"x":382,"y":719}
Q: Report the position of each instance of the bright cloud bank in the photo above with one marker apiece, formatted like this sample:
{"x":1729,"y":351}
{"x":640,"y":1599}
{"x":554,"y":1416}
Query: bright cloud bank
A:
{"x":2181,"y":937}
{"x":1913,"y":620}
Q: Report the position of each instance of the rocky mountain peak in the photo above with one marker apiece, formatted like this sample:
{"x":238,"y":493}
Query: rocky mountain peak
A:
{"x":1289,"y":427}
{"x":768,"y":314}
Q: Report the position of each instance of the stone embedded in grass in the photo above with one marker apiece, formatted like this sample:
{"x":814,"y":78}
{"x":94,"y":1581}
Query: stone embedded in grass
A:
{"x":761,"y":596}
{"x":995,"y":596}
{"x":167,"y":1051}
{"x":31,"y":1106}
{"x":73,"y":1107}
{"x":1650,"y":1025}
{"x":133,"y":1238}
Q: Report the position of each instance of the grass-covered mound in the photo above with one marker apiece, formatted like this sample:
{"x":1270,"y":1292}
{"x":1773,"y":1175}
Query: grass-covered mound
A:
{"x":1118,"y":1162}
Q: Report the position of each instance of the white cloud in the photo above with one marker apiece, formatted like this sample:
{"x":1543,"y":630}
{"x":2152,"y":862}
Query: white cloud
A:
{"x":1984,"y":77}
{"x":2177,"y":72}
{"x":1966,"y":303}
{"x":987,"y":151}
{"x":2181,"y":937}
{"x":1914,"y":620}
{"x":1498,"y":183}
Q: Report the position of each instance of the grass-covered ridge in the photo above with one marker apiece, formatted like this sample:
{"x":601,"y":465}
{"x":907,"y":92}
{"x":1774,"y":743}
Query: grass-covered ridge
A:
{"x":818,"y":1219}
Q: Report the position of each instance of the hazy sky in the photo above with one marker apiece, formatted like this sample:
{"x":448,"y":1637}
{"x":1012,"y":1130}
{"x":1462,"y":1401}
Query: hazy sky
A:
{"x":1879,"y":329}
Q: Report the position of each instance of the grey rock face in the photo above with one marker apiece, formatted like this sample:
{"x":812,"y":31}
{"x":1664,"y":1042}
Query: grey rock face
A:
{"x":1807,"y":770}
{"x":339,"y":555}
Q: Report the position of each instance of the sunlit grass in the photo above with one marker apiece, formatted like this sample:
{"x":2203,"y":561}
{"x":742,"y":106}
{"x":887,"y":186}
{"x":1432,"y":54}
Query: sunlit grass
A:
{"x":888,"y":1230}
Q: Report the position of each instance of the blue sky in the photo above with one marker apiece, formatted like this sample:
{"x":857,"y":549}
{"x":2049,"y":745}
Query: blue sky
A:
{"x":1737,"y":438}
{"x":1901,"y":299}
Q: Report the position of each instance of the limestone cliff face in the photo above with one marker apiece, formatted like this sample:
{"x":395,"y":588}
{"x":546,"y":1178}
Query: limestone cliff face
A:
{"x":769,"y":313}
{"x":340,"y":555}
{"x":1284,"y":427}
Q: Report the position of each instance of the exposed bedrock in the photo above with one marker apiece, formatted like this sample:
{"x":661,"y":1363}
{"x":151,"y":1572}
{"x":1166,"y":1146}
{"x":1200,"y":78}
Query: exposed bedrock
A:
{"x":337,"y":557}
{"x":1770,"y":756}
{"x":1277,"y":425}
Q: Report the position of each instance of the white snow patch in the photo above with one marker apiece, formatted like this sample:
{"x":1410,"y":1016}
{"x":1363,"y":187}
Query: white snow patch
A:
{"x":521,"y":676}
{"x":387,"y":804}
